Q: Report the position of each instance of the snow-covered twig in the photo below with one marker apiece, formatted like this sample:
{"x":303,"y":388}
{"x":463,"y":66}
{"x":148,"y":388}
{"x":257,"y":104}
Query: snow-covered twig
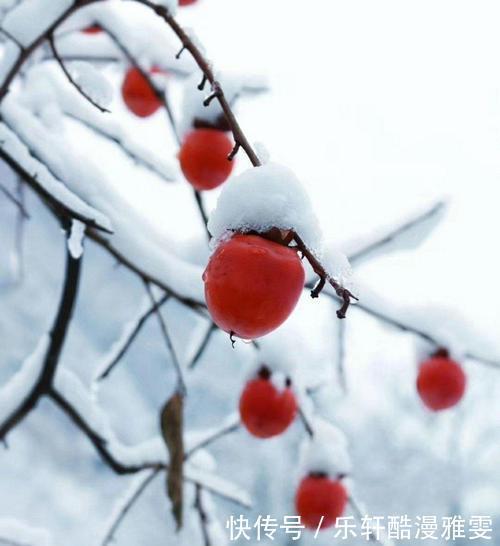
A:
{"x":392,"y":234}
{"x":136,"y":489}
{"x":50,"y":189}
{"x":181,"y":383}
{"x":129,"y":333}
{"x":25,"y":51}
{"x":70,"y":78}
{"x":44,"y":374}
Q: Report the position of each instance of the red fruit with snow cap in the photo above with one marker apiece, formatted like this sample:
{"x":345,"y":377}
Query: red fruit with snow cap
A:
{"x":252,"y":285}
{"x":204,"y":158}
{"x":318,"y":497}
{"x":138,"y":95}
{"x":441,"y":382}
{"x":265,"y":410}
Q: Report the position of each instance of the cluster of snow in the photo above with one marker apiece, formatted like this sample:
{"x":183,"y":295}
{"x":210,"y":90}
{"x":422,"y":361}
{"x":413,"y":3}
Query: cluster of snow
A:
{"x":15,"y":532}
{"x":21,"y":384}
{"x":261,"y":198}
{"x":31,"y":18}
{"x":75,"y":241}
{"x":234,"y":86}
{"x":326,"y":451}
{"x":47,"y":87}
{"x":124,"y":21}
{"x":92,"y":83}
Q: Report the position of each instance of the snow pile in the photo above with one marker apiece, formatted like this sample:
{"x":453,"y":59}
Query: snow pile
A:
{"x":326,"y":451}
{"x":92,"y":83}
{"x":75,"y":241}
{"x":265,"y":197}
{"x":234,"y":86}
{"x":18,"y":388}
{"x":15,"y":532}
{"x":31,"y":18}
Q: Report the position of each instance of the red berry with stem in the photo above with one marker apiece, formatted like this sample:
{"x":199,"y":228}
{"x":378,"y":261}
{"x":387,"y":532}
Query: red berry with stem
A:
{"x":204,"y":158}
{"x":138,"y":95}
{"x":441,"y":382}
{"x":265,"y":410}
{"x":319,"y":496}
{"x":92,"y":29}
{"x":252,"y":285}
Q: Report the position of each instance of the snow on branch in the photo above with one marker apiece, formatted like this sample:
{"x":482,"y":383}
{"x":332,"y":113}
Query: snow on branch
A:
{"x":202,"y":439}
{"x":24,"y":381}
{"x":136,"y":488}
{"x":16,"y":533}
{"x":35,"y":378}
{"x":408,"y":232}
{"x":59,"y":198}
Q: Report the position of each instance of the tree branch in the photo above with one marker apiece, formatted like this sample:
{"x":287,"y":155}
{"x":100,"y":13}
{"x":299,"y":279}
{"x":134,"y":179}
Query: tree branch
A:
{"x":13,"y":199}
{"x":217,"y":91}
{"x":57,"y":338}
{"x":198,"y":504}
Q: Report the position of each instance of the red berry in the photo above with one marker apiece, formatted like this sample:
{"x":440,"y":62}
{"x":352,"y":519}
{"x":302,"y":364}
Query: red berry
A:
{"x":441,"y":383}
{"x":266,"y":411}
{"x":319,"y":496}
{"x":252,"y":285}
{"x":203,"y":158}
{"x":93,"y":29}
{"x":186,"y":2}
{"x":138,"y":95}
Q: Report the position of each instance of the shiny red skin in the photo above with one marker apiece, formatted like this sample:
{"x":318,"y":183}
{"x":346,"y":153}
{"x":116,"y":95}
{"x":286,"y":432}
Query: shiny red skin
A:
{"x":138,"y":95}
{"x":203,"y":158}
{"x":186,"y":2}
{"x":320,"y":496}
{"x":441,"y":383}
{"x":252,"y":285}
{"x":266,"y":411}
{"x":93,"y":29}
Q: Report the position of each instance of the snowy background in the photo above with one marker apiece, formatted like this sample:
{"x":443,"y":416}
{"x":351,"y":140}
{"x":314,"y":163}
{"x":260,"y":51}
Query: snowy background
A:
{"x":379,"y":107}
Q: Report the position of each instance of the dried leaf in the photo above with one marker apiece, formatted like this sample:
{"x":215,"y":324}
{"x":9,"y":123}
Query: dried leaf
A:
{"x":172,"y":428}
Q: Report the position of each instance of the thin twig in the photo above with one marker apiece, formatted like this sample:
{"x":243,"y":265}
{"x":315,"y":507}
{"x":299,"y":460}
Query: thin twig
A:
{"x":203,"y":345}
{"x":344,"y":294}
{"x":70,"y":78}
{"x":125,"y":509}
{"x":221,"y":433}
{"x":198,"y":504}
{"x":400,"y":230}
{"x":127,"y":342}
{"x":16,"y":201}
{"x":181,"y":384}
{"x":306,"y":423}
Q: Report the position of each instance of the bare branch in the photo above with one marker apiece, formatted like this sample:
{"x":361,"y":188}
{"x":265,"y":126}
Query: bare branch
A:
{"x":231,"y":426}
{"x":198,"y":504}
{"x":70,"y":77}
{"x":181,"y":384}
{"x":128,"y":337}
{"x":203,"y":345}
